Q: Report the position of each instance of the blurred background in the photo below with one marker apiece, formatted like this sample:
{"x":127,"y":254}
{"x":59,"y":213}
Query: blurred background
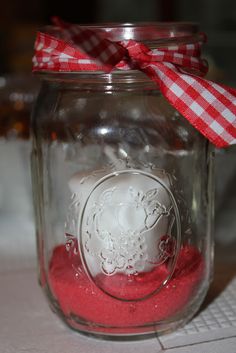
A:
{"x":19,"y":20}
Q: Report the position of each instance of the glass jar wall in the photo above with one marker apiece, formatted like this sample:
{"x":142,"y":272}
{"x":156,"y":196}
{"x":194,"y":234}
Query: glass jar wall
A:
{"x":123,"y":203}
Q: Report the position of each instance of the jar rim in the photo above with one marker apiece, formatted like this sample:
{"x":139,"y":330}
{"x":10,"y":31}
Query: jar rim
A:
{"x":140,"y":31}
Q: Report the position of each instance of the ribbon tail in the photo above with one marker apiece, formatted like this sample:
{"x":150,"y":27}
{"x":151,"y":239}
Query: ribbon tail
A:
{"x":208,"y":106}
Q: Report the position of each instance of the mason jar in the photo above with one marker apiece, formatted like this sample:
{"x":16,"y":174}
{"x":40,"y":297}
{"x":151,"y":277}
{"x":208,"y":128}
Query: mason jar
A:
{"x":123,"y":197}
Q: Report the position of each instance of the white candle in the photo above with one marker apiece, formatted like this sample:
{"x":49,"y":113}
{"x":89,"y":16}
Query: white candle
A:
{"x":124,"y":217}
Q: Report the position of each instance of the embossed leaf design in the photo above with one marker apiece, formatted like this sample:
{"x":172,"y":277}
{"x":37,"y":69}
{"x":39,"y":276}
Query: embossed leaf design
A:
{"x":106,"y":196}
{"x":136,"y":196}
{"x":104,"y":234}
{"x":150,"y":195}
{"x":107,"y":255}
{"x":108,"y":268}
{"x":167,"y":246}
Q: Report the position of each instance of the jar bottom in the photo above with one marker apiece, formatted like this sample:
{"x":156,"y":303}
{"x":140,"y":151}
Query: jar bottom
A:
{"x":129,"y":333}
{"x":87,"y":309}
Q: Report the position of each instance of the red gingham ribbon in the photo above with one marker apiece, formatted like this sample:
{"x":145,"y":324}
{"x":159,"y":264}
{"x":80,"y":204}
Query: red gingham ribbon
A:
{"x":208,"y":106}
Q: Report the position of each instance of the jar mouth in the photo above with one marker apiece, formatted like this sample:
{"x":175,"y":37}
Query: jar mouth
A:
{"x":142,"y":31}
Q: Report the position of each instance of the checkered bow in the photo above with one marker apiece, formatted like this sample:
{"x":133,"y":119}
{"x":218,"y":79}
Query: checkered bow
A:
{"x":177,"y":69}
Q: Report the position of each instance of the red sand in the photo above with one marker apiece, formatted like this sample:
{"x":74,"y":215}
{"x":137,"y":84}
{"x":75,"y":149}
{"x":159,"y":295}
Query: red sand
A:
{"x":77,"y":295}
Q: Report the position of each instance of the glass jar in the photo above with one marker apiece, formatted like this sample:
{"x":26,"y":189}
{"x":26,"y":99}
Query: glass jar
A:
{"x":123,"y":198}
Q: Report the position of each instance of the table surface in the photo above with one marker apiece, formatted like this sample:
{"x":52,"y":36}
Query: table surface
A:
{"x":28,"y":325}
